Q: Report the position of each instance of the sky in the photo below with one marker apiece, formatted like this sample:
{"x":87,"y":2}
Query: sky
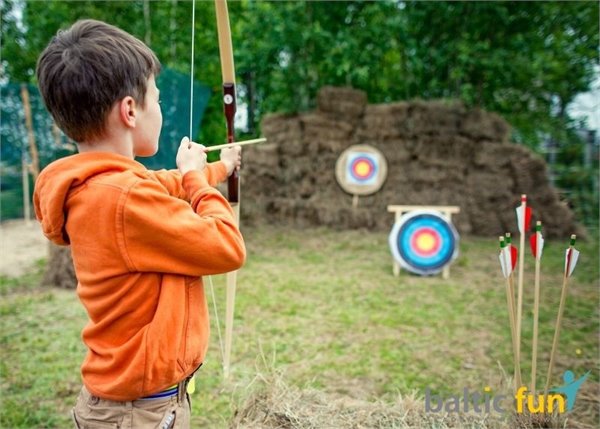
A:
{"x":587,"y":105}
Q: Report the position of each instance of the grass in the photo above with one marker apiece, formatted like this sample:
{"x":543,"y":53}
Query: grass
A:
{"x":322,"y":308}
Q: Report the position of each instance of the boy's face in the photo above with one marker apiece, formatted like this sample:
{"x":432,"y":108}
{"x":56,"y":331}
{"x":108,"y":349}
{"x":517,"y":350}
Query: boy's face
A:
{"x":149,"y":122}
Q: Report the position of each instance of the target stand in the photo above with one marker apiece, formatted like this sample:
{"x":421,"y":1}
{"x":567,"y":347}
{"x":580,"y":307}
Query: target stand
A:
{"x":426,"y":242}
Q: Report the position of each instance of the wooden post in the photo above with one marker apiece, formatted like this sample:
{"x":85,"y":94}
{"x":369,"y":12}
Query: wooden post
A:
{"x":33,"y":151}
{"x":25,"y":168}
{"x":25,"y":180}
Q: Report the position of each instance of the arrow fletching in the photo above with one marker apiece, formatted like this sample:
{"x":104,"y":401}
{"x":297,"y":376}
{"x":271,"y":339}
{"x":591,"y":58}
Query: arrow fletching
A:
{"x":523,"y":216}
{"x":536,"y":241}
{"x":513,"y":257}
{"x":571,"y":258}
{"x":504,"y":259}
{"x":511,"y":251}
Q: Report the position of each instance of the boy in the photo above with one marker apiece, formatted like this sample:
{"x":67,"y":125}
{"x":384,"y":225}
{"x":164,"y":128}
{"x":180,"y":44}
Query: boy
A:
{"x":140,"y":239}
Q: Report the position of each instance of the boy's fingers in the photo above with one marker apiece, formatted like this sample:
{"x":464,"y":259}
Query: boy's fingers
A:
{"x":185,"y":141}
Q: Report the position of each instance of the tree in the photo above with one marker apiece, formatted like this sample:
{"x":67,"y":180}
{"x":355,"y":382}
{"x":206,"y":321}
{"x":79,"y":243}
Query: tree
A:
{"x":523,"y":60}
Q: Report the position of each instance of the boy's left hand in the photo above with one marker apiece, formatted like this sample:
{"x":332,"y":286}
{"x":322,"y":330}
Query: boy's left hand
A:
{"x":232,"y":158}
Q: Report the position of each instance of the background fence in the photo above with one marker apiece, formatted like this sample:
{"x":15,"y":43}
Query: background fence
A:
{"x":30,"y":140}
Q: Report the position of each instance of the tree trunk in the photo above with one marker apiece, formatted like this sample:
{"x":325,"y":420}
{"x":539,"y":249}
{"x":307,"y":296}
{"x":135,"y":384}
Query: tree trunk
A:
{"x":59,"y":271}
{"x":147,"y":24}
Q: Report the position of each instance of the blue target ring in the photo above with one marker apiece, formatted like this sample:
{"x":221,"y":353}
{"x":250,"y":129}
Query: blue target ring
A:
{"x":423,"y":242}
{"x":362,"y":168}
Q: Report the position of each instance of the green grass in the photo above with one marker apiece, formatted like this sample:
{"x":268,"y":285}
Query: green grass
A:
{"x":323,"y":308}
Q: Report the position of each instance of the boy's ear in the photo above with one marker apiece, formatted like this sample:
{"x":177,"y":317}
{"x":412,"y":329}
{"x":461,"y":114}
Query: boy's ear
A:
{"x":128,"y":111}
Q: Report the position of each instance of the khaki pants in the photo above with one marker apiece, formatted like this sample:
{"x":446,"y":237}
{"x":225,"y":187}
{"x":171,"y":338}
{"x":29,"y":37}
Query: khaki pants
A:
{"x":91,"y":412}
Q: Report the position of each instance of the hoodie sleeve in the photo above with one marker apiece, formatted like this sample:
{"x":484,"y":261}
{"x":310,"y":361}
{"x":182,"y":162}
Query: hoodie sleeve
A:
{"x":164,"y":234}
{"x":215,"y":173}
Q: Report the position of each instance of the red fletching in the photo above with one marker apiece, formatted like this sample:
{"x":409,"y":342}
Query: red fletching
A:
{"x":533,"y":244}
{"x":513,"y":256}
{"x":527,"y":218}
{"x":523,"y":222}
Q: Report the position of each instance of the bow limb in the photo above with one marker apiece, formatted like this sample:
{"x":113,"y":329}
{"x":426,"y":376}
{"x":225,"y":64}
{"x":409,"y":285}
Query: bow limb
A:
{"x":233,"y":184}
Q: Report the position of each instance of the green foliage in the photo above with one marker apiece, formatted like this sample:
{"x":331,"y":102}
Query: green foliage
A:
{"x":11,"y":197}
{"x":524,"y":60}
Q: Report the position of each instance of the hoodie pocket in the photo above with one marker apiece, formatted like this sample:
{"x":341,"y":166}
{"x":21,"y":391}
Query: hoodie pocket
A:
{"x":196,"y":330}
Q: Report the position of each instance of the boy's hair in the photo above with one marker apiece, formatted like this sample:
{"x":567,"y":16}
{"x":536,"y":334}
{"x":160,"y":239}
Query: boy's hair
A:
{"x":85,"y":69}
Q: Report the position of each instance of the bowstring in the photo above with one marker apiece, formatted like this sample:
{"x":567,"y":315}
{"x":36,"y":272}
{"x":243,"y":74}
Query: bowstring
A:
{"x":210,"y":282}
{"x":192,"y":66}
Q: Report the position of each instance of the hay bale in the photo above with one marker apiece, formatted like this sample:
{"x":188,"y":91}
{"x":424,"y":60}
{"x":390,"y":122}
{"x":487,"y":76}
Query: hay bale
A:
{"x":438,"y":153}
{"x":481,"y":125}
{"x":347,"y":104}
{"x":434,"y":117}
{"x":494,"y":157}
{"x":274,"y":404}
{"x":328,"y":134}
{"x":384,"y":121}
{"x":285,"y":131}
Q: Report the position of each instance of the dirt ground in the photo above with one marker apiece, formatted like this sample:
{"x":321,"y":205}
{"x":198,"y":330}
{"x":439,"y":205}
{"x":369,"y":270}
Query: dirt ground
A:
{"x":22,"y":244}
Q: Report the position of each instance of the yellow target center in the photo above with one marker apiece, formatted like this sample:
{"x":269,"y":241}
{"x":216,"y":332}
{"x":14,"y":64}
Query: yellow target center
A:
{"x":425,"y":242}
{"x":362,"y":168}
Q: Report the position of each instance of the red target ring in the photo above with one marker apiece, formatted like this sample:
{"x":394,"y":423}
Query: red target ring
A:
{"x":423,"y":242}
{"x":426,"y":242}
{"x":362,"y":168}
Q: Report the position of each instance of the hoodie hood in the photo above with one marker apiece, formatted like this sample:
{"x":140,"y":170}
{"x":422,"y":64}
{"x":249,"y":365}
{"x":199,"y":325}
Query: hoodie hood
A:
{"x":58,"y":179}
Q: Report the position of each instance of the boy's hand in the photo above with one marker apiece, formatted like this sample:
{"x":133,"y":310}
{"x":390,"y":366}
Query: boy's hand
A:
{"x":232,"y":158}
{"x":190,"y":156}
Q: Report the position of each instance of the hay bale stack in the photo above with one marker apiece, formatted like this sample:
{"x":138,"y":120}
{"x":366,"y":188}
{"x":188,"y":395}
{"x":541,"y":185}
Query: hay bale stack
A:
{"x":272,"y":403}
{"x":345,"y":104}
{"x":438,"y":153}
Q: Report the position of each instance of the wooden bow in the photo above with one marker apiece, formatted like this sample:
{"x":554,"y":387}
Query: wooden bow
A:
{"x":233,"y":183}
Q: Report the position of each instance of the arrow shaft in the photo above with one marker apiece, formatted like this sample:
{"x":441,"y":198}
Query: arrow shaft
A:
{"x":536,"y":312}
{"x":561,"y":308}
{"x":520,"y":277}
{"x":241,"y":143}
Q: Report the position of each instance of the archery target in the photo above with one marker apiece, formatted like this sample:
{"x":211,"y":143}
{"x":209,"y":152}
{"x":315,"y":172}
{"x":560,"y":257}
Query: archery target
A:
{"x":361,"y":170}
{"x":423,"y":242}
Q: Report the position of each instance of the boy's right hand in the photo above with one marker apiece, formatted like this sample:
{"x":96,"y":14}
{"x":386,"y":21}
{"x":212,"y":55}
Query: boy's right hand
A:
{"x":190,"y":156}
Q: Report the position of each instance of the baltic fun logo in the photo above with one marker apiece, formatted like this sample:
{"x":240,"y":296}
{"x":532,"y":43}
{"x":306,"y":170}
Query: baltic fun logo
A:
{"x":560,"y":399}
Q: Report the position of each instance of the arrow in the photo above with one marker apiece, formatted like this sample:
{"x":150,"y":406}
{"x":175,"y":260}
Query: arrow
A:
{"x":537,"y":245}
{"x":571,"y":257}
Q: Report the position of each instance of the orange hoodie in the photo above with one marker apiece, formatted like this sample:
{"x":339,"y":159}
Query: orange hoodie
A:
{"x":140,"y":241}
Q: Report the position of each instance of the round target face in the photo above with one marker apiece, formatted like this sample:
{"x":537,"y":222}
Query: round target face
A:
{"x":424,"y":242}
{"x":361,"y":170}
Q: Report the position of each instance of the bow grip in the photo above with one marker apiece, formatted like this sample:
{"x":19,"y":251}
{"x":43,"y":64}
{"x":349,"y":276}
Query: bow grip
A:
{"x":229,"y":106}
